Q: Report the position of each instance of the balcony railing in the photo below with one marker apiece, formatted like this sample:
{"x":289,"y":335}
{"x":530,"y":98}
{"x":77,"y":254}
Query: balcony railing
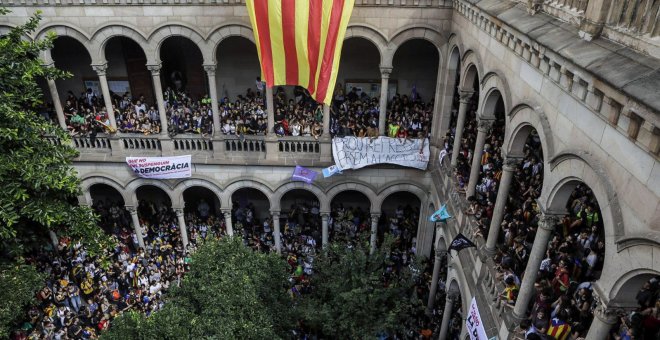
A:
{"x":140,"y":143}
{"x":307,"y":145}
{"x":247,"y":144}
{"x":637,"y":17}
{"x":97,"y":143}
{"x":193,"y":143}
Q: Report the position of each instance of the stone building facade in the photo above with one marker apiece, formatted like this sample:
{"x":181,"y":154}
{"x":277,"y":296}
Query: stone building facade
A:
{"x":583,"y":74}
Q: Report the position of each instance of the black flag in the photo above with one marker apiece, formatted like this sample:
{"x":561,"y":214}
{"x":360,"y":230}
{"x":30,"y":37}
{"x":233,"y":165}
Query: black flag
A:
{"x":460,"y":242}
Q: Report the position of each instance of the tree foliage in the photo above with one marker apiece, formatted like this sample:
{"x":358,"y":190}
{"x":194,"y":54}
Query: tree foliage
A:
{"x":356,"y":295}
{"x":231,"y":292}
{"x":39,"y":185}
{"x":18,"y":282}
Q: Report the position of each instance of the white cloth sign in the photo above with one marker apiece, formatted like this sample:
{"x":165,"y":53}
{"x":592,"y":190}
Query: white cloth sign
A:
{"x":161,"y":167}
{"x":358,"y":152}
{"x":473,"y":323}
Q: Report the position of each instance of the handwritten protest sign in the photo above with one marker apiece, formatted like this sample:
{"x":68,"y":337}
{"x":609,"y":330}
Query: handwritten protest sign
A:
{"x":358,"y":152}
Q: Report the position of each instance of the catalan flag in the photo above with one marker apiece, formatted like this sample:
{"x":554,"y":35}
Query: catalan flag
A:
{"x":299,"y":42}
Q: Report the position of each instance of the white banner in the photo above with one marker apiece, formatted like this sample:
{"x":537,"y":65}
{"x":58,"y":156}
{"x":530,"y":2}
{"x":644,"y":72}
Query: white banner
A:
{"x":358,"y":152}
{"x":161,"y":167}
{"x":473,"y":323}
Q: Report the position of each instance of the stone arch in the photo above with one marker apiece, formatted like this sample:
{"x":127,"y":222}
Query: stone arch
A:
{"x":396,"y":187}
{"x":627,"y":285}
{"x":371,"y":34}
{"x":87,"y":182}
{"x":293,"y":185}
{"x":181,"y":187}
{"x":225,"y":31}
{"x":68,"y":30}
{"x":225,"y":199}
{"x":416,"y":31}
{"x":131,"y":190}
{"x":491,"y":82}
{"x":174,"y":29}
{"x":522,"y":119}
{"x":472,"y":68}
{"x":101,"y":37}
{"x":441,"y":119}
{"x":5,"y":28}
{"x":456,"y":282}
{"x":364,"y":188}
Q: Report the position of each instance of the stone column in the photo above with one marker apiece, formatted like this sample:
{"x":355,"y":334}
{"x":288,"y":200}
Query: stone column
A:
{"x":374,"y":231}
{"x":602,"y":323}
{"x":53,"y":239}
{"x":103,"y":81}
{"x":324,"y":228}
{"x":446,"y":316}
{"x":228,"y":226}
{"x":384,"y":83}
{"x":160,"y":102}
{"x":510,"y":165}
{"x":270,"y":109}
{"x":210,"y":71}
{"x":182,"y":227}
{"x":594,"y":19}
{"x":137,"y":229}
{"x":482,"y":130}
{"x":436,"y":273}
{"x":546,"y":226}
{"x":326,"y":122}
{"x":56,"y":102}
{"x":276,"y":231}
{"x":460,"y":123}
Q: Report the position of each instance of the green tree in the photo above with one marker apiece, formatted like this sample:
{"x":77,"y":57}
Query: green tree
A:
{"x":354,"y":295}
{"x":231,"y":292}
{"x":37,"y":180}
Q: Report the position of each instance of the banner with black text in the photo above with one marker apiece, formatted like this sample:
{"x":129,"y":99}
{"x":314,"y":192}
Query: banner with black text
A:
{"x":161,"y":167}
{"x":358,"y":152}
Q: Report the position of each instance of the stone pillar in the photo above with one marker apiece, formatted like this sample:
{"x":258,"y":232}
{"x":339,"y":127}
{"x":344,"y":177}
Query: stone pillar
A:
{"x":160,"y":102}
{"x":602,"y":323}
{"x":56,"y":102}
{"x":594,"y":19}
{"x":546,"y":226}
{"x":182,"y":227}
{"x":482,"y":130}
{"x":228,"y":226}
{"x":384,"y":83}
{"x":446,"y":316}
{"x":460,"y":123}
{"x":270,"y":110}
{"x":210,"y":71}
{"x":324,"y":228}
{"x":534,"y":6}
{"x":510,"y":165}
{"x":276,"y":231}
{"x":326,"y":122}
{"x":137,"y":229}
{"x":374,"y":231}
{"x":436,"y":274}
{"x":103,"y":81}
{"x":53,"y":239}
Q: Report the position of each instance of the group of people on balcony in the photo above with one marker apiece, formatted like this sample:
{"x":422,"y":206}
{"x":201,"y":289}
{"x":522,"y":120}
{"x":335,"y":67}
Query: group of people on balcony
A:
{"x":352,"y":114}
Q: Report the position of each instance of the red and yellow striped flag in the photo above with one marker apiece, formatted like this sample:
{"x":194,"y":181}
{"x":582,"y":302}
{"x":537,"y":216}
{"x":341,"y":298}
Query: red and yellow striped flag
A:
{"x":299,"y":42}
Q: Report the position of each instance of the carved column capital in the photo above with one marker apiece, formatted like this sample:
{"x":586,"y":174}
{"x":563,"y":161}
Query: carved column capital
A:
{"x":100,"y":69}
{"x":485,"y":125}
{"x":210,"y":69}
{"x":154,"y":69}
{"x":511,"y":163}
{"x":178,"y":212}
{"x":325,"y":215}
{"x":131,"y":209}
{"x":275,"y":214}
{"x":548,"y":221}
{"x":385,"y":72}
{"x":607,"y":315}
{"x":375,"y":216}
{"x":465,"y":95}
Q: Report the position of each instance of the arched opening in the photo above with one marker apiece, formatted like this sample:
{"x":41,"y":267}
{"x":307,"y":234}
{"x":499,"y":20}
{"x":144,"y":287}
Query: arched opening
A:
{"x":301,"y":220}
{"x":400,"y":218}
{"x":491,"y":157}
{"x":350,"y":215}
{"x":452,"y":96}
{"x":238,"y":69}
{"x":182,"y":70}
{"x":202,"y":214}
{"x":469,"y":131}
{"x":80,"y":94}
{"x":642,"y":292}
{"x":109,"y":204}
{"x":357,"y":90}
{"x":250,"y":212}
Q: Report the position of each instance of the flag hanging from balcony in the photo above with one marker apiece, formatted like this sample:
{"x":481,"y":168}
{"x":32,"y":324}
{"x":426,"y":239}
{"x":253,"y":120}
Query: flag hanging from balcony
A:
{"x":299,"y":42}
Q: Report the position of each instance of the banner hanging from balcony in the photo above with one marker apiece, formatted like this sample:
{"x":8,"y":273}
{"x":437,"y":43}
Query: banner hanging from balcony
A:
{"x":358,"y":152}
{"x":161,"y":167}
{"x":473,"y":323}
{"x":299,"y":42}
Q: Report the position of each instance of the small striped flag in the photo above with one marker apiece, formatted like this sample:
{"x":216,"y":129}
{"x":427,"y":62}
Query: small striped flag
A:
{"x":299,"y":42}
